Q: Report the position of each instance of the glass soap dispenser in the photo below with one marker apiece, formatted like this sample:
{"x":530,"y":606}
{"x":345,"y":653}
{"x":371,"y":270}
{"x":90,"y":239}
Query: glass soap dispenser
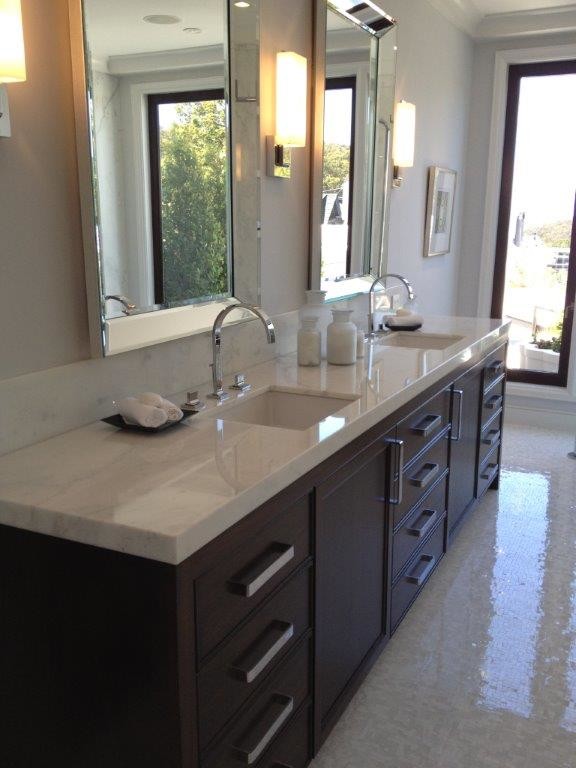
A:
{"x":309,"y":342}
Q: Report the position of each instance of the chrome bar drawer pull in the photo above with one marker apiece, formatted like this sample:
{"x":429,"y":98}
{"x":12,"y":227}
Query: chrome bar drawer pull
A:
{"x":256,"y":660}
{"x":428,"y":518}
{"x":425,"y":475}
{"x":255,"y":577}
{"x":492,"y":437}
{"x":489,"y":471}
{"x":494,"y":402}
{"x":397,"y":476}
{"x":427,"y":426}
{"x":422,"y":570}
{"x":279,"y":711}
{"x":460,"y":395}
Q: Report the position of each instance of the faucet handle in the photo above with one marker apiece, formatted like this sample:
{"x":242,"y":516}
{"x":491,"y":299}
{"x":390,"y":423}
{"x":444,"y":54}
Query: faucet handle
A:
{"x":240,"y":383}
{"x":193,"y":403}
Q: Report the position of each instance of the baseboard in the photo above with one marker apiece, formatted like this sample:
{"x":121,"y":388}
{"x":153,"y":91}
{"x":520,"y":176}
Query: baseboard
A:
{"x":546,"y":418}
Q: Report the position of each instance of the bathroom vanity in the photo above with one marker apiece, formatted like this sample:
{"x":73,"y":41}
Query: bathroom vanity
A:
{"x":214,"y":595}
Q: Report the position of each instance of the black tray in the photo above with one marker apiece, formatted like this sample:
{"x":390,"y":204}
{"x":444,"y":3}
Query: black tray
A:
{"x":118,"y":421}
{"x":403,"y":327}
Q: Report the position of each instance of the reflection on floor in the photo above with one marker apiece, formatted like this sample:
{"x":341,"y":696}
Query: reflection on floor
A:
{"x":482,"y":672}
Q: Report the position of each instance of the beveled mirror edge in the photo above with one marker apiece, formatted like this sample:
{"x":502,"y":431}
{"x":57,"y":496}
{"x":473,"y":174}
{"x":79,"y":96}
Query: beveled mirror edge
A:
{"x":358,"y":284}
{"x":107,"y":336}
{"x":84,"y":166}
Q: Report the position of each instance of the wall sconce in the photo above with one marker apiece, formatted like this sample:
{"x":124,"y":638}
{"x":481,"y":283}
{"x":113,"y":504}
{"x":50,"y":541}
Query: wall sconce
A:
{"x":291,"y":113}
{"x":404,"y":139}
{"x":12,"y":57}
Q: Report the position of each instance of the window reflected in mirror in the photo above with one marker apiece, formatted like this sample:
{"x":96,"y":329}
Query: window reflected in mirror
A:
{"x":187,"y":143}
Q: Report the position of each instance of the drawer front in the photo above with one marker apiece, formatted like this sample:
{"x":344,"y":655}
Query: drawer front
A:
{"x":418,"y":526}
{"x":417,"y":574}
{"x":495,"y":369}
{"x":419,"y":429}
{"x":488,"y":471}
{"x":239,"y":583}
{"x":490,"y":437}
{"x":418,"y":477}
{"x":293,"y":747}
{"x":249,"y":739}
{"x":252,"y":652}
{"x":492,"y":402}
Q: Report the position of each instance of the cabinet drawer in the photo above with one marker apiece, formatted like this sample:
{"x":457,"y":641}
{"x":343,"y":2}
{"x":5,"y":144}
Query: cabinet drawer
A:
{"x":488,"y":471}
{"x":419,"y":477}
{"x":423,"y":425}
{"x":490,"y":437}
{"x":492,"y":402}
{"x":416,"y":574}
{"x":248,"y":740}
{"x":239,"y":583}
{"x":494,"y":370}
{"x":251,"y":654}
{"x":418,"y":526}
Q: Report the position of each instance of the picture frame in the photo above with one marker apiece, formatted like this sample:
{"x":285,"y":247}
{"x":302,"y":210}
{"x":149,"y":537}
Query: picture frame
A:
{"x":439,"y":211}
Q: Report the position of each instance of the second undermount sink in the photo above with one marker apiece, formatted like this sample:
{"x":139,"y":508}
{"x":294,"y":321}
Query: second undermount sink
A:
{"x":417,"y":340}
{"x":281,"y":408}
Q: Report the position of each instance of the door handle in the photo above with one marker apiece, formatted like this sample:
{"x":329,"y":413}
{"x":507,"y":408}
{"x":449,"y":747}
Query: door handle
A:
{"x":397,"y":476}
{"x":459,"y":393}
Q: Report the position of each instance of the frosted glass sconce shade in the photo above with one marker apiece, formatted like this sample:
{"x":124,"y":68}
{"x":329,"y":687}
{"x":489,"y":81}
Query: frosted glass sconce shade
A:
{"x":12,"y":57}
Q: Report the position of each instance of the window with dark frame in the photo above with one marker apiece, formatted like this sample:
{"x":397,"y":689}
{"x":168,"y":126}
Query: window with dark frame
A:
{"x":188,"y":174}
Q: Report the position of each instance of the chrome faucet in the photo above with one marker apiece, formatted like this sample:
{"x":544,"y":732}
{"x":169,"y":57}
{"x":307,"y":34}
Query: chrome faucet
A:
{"x":127,"y":305}
{"x":217,"y":376}
{"x":382,"y":279}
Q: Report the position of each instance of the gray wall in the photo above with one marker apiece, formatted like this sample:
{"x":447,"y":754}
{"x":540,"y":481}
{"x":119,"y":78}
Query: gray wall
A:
{"x":42,"y":295}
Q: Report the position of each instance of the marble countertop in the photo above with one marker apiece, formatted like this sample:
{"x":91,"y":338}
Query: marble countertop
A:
{"x":164,"y":496}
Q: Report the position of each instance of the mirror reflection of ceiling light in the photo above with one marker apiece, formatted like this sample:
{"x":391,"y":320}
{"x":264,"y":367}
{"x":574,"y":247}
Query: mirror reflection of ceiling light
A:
{"x":159,"y":18}
{"x":192,"y":30}
{"x":242,"y":4}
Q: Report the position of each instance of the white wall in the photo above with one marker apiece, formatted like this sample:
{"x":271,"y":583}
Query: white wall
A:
{"x":435,"y":72}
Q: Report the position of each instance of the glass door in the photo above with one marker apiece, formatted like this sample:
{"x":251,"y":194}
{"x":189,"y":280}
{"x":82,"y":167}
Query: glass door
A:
{"x":535,"y":269}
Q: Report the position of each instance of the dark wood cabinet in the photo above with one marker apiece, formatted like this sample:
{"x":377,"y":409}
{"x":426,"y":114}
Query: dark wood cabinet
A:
{"x":249,"y":650}
{"x":351,"y":564}
{"x":464,"y":446}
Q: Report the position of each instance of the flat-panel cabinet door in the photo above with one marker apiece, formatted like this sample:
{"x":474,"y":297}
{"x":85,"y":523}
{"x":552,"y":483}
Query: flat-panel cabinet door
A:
{"x":465,"y":425}
{"x":350,"y":570}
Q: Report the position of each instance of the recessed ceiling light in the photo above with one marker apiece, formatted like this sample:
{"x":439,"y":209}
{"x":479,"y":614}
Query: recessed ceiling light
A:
{"x":162,"y":19}
{"x":192,"y":30}
{"x":242,"y":4}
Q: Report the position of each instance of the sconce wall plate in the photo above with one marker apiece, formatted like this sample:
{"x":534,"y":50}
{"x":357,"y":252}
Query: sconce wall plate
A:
{"x":5,"y":129}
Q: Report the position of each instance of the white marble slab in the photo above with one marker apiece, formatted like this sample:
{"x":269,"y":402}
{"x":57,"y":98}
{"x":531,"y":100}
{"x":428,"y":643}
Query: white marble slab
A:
{"x":165,"y":496}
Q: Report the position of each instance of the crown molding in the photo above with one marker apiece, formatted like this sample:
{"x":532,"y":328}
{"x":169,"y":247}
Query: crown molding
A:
{"x":540,"y":21}
{"x":462,"y":13}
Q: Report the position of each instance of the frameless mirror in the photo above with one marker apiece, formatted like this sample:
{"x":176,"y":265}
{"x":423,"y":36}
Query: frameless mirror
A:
{"x":356,"y":62}
{"x":166,"y":134}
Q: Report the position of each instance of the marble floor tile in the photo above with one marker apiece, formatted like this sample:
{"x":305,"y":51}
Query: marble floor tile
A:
{"x":482,"y":672}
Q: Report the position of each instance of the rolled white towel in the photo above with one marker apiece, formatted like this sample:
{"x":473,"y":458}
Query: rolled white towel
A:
{"x":135,"y":412}
{"x":172,"y":411}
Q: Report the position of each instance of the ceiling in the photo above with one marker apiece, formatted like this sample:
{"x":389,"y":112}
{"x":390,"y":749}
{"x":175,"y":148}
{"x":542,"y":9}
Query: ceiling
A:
{"x":116,"y":27}
{"x":493,"y":19}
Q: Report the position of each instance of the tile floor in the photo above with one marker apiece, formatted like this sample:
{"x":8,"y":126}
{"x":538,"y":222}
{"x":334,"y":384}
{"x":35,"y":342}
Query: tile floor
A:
{"x":482,"y":672}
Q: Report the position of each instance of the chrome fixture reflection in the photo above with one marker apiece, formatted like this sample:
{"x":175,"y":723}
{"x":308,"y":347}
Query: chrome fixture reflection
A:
{"x":382,"y":279}
{"x":218,"y":392}
{"x":128,"y":306}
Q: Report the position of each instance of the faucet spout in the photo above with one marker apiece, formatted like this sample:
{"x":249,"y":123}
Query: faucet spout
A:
{"x":382,"y":280}
{"x":217,"y":375}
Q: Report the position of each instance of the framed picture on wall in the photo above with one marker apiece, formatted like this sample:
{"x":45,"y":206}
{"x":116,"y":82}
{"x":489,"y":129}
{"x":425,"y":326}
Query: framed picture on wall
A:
{"x":439,"y":209}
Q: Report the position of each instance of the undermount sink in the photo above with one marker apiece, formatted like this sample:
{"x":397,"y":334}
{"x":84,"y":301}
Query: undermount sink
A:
{"x":280,"y":408}
{"x":417,"y":340}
